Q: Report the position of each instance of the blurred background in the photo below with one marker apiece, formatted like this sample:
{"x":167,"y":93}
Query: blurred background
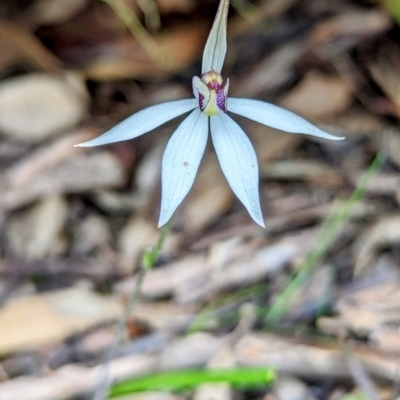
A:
{"x":315,"y":295}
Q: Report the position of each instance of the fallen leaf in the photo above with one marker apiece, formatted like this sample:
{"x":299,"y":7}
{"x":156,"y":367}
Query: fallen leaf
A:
{"x":318,"y":96}
{"x":353,"y":24}
{"x":371,"y":308}
{"x":305,"y":170}
{"x":272,"y":72}
{"x":81,"y":173}
{"x":383,"y":233}
{"x":29,"y":323}
{"x":129,"y":60}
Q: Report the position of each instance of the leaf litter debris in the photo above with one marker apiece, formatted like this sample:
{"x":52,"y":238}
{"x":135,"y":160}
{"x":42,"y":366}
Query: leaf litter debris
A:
{"x":73,"y":224}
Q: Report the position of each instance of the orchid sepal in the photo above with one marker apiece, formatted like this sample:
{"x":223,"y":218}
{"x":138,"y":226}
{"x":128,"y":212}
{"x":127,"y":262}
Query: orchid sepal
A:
{"x":215,"y":48}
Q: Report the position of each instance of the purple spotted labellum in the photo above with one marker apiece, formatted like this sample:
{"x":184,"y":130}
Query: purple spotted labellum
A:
{"x":209,"y":112}
{"x":211,"y":93}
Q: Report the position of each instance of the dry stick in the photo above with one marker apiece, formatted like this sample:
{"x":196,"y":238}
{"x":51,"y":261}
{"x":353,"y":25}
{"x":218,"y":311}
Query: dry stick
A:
{"x":148,"y":261}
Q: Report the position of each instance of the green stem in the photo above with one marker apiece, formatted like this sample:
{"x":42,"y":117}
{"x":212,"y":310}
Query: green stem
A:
{"x":148,"y":261}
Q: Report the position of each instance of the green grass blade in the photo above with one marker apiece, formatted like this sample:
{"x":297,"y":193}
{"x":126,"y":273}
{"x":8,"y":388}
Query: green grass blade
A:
{"x":329,"y":231}
{"x":246,"y":378}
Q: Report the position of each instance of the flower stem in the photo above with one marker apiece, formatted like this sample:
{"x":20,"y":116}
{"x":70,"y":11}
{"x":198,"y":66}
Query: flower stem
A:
{"x":148,"y":261}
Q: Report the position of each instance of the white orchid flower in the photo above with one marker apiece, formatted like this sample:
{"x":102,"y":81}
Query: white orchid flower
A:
{"x":209,"y":111}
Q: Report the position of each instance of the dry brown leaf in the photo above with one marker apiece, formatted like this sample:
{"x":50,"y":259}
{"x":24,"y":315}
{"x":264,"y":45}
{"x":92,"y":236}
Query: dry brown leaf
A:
{"x":266,"y":261}
{"x":47,"y":157}
{"x":272,"y":72}
{"x":29,"y":323}
{"x":197,"y":278}
{"x":165,"y":281}
{"x":359,"y":122}
{"x":165,"y":316}
{"x":353,"y":24}
{"x":249,"y":267}
{"x":191,"y":351}
{"x":383,"y":233}
{"x":291,"y":357}
{"x":386,"y":340}
{"x":72,"y":381}
{"x":270,"y":144}
{"x":183,"y":45}
{"x":381,"y":184}
{"x":294,"y":211}
{"x":371,"y":308}
{"x":310,"y":360}
{"x":78,"y":174}
{"x":318,"y":96}
{"x":310,"y":171}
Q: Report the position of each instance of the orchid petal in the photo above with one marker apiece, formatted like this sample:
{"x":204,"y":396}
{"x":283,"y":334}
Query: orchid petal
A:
{"x":215,"y":48}
{"x":201,"y":92}
{"x":238,"y":162}
{"x":180,"y":162}
{"x":276,"y":117}
{"x":143,"y":122}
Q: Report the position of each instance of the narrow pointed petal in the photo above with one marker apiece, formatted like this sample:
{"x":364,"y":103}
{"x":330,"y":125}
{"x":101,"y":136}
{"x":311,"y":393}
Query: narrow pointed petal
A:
{"x":238,"y":162}
{"x":215,"y":48}
{"x":143,"y":122}
{"x":276,"y":117}
{"x":180,"y":162}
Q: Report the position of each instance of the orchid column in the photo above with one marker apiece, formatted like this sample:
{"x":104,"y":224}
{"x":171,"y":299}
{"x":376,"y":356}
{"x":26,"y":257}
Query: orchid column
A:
{"x":209,"y":111}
